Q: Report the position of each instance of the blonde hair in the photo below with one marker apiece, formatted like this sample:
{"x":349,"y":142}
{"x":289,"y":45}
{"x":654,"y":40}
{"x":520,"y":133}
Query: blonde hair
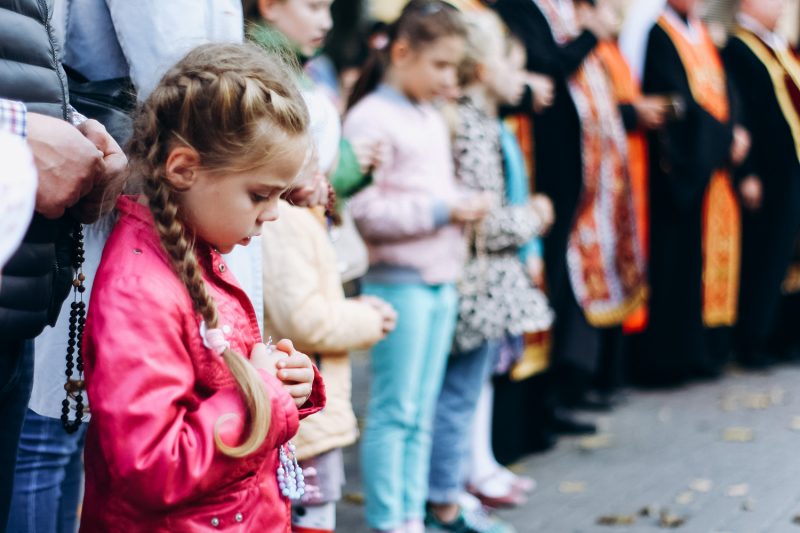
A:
{"x":483,"y":27}
{"x":235,"y":106}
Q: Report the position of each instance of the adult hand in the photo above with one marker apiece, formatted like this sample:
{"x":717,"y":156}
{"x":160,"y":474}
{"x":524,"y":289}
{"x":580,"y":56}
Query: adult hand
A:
{"x":752,"y":192}
{"x":651,"y":112}
{"x":109,"y":182}
{"x":543,"y":89}
{"x":535,"y":266}
{"x":590,"y":19}
{"x":740,"y":146}
{"x":66,"y":161}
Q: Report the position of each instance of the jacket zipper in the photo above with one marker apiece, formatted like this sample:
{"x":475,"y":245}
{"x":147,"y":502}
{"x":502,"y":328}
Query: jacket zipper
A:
{"x":44,"y":9}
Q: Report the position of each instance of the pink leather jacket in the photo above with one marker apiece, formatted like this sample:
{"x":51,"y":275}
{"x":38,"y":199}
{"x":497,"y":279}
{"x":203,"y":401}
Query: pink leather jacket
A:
{"x":156,"y":394}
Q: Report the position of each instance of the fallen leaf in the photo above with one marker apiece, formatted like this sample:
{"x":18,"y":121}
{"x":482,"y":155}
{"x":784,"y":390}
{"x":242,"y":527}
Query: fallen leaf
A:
{"x":748,"y":504}
{"x":737,"y":491}
{"x":572,"y":487}
{"x":356,"y":498}
{"x":701,"y":485}
{"x":758,"y":401}
{"x":616,"y":520}
{"x":595,"y":442}
{"x":738,"y":434}
{"x":670,"y":521}
{"x":795,"y":425}
{"x":684,"y":498}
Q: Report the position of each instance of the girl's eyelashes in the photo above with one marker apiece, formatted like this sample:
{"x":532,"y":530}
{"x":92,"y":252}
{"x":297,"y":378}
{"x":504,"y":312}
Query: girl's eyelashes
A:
{"x":259,"y":198}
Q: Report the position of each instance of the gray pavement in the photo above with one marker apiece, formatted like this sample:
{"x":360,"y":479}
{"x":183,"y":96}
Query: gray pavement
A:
{"x":722,"y":457}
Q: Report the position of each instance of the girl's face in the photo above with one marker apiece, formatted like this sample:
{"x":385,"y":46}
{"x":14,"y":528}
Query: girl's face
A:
{"x":428,"y":72}
{"x":305,"y":23}
{"x":502,"y":80}
{"x":228,"y":208}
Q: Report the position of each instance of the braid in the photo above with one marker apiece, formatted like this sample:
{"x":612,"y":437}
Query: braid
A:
{"x":184,"y":261}
{"x":220,"y":100}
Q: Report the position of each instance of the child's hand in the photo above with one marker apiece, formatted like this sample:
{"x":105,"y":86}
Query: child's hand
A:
{"x":295,"y":372}
{"x":543,"y":207}
{"x":370,"y":153}
{"x":387,"y":312}
{"x":471,"y":209}
{"x":264,"y":357}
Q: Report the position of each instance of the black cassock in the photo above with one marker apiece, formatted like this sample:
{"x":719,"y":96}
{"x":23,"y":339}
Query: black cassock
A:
{"x":769,"y":234}
{"x":683,"y":157}
{"x":558,"y":174}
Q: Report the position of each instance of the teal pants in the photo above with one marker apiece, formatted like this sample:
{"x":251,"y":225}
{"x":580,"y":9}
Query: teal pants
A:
{"x":407,"y":372}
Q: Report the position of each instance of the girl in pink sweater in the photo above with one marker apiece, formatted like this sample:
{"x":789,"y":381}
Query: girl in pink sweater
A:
{"x":411,"y":219}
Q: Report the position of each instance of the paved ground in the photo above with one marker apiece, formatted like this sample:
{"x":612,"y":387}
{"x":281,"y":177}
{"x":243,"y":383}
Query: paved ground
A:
{"x":723,"y":457}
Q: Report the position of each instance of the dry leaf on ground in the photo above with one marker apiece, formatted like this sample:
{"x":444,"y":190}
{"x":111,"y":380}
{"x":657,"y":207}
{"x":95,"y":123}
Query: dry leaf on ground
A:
{"x":701,"y":485}
{"x":616,"y":520}
{"x":758,"y":401}
{"x":795,"y":425}
{"x":738,"y":434}
{"x":737,"y":491}
{"x":685,"y":498}
{"x":595,"y":442}
{"x":670,"y":521}
{"x":356,"y":498}
{"x":748,"y":504}
{"x":572,"y":487}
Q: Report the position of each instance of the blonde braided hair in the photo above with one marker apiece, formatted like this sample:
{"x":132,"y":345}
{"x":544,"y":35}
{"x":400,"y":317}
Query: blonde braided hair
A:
{"x":235,"y":106}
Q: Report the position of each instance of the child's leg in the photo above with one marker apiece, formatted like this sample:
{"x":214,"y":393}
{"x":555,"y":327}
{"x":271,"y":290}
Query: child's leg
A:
{"x":397,"y":363}
{"x":324,"y":480}
{"x":418,"y":445}
{"x":455,"y":413}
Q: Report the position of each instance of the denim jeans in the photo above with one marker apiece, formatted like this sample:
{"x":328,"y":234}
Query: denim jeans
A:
{"x":16,"y":380}
{"x":47,"y":485}
{"x":407,"y":372}
{"x":455,"y":412}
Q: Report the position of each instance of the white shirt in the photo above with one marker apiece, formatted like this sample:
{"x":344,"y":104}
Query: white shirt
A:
{"x":774,"y":40}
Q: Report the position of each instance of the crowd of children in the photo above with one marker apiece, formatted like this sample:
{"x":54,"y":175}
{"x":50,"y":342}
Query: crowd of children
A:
{"x":409,"y":221}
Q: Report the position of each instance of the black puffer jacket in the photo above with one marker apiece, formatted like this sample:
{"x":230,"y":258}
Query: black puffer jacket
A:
{"x":37,"y":278}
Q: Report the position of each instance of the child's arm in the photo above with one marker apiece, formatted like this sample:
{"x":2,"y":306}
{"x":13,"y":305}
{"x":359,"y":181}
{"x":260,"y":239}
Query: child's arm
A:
{"x":297,"y":271}
{"x":152,"y":423}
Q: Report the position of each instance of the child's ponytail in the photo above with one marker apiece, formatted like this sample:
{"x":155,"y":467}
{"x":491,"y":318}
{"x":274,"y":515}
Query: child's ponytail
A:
{"x":235,"y":106}
{"x":421,"y":23}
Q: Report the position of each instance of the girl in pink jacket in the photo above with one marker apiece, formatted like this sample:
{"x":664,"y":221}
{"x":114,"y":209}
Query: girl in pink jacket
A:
{"x":191,"y":413}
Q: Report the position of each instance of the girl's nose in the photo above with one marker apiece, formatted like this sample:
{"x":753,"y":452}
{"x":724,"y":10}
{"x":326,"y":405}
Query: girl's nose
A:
{"x":269,"y":215}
